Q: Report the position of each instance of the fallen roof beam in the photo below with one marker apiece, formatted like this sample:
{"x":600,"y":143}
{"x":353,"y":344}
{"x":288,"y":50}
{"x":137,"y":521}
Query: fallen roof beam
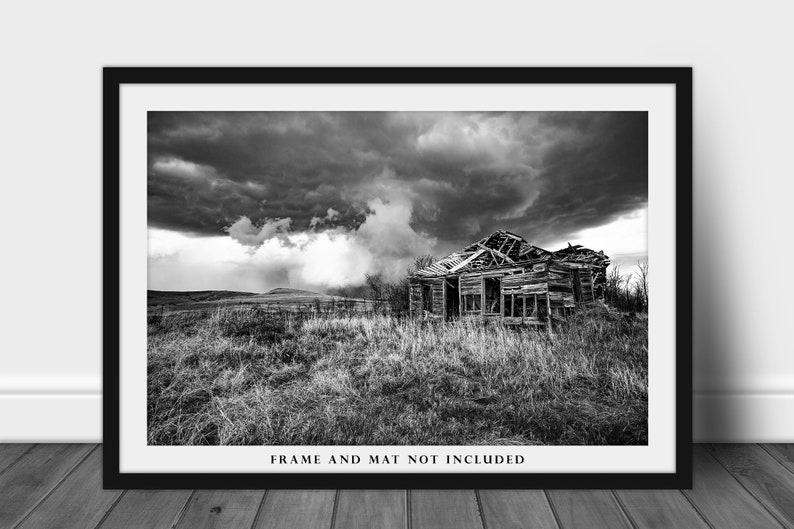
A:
{"x":500,"y":254}
{"x":513,"y":245}
{"x":465,"y":262}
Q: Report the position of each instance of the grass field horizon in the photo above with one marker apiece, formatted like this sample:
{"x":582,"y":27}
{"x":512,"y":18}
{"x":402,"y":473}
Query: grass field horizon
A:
{"x":242,"y":374}
{"x":278,"y":299}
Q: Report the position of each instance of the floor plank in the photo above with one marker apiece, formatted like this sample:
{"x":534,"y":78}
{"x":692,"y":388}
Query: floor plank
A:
{"x":147,"y":509}
{"x":594,"y":509}
{"x":363,"y":509}
{"x":516,"y":509}
{"x":658,"y":509}
{"x":10,"y":453}
{"x":762,"y":475}
{"x":783,"y":453}
{"x":78,"y":502}
{"x":735,"y":486}
{"x":36,"y":474}
{"x":297,"y":509}
{"x":721,"y":499}
{"x":230,"y":509}
{"x":444,"y":509}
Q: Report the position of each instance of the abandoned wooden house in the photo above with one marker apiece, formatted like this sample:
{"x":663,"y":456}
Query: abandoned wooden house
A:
{"x":503,"y":277}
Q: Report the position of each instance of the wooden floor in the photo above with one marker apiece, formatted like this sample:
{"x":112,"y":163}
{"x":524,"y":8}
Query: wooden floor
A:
{"x":60,"y":486}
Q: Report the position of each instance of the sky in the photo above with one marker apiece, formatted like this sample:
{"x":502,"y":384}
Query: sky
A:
{"x":252,"y":201}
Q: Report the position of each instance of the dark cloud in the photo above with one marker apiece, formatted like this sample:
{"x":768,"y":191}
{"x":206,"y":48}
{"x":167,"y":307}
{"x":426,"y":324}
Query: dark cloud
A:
{"x":542,"y":175}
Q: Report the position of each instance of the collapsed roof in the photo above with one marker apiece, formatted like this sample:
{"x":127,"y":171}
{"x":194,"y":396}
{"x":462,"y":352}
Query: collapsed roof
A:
{"x":503,"y":248}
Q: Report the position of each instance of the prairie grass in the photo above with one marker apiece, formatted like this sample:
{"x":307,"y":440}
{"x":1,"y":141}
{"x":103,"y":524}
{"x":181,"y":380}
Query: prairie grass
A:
{"x":247,"y":376}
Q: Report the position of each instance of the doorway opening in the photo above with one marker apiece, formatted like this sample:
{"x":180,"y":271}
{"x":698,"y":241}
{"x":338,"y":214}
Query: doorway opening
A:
{"x":492,"y":288}
{"x":577,"y":286}
{"x":452,"y":295}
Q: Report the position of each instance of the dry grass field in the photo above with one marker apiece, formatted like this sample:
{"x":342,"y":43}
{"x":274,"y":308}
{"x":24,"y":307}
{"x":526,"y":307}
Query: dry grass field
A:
{"x":246,"y":375}
{"x":277,"y":300}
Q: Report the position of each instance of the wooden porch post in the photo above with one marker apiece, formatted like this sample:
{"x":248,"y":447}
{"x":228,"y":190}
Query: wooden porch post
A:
{"x":460,"y":298}
{"x":548,"y":310}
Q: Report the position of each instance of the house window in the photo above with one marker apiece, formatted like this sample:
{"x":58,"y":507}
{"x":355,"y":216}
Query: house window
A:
{"x":493,"y":295}
{"x":530,"y":306}
{"x":510,"y":307}
{"x":521,"y":305}
{"x":427,"y":298}
{"x":471,"y":303}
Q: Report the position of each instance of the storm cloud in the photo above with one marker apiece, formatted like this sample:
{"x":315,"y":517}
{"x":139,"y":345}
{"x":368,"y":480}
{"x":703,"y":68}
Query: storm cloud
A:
{"x":393,"y":183}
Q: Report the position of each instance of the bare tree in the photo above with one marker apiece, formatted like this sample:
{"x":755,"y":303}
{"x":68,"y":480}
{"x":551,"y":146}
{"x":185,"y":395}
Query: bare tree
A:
{"x":420,"y":262}
{"x":642,"y":282}
{"x":376,"y":285}
{"x":614,"y":285}
{"x":393,"y":294}
{"x":635,"y":299}
{"x":627,"y":292}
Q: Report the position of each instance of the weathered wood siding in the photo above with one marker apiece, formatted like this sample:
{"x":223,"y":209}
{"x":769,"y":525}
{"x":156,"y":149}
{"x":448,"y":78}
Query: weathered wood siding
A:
{"x":415,"y":296}
{"x":415,"y":301}
{"x":437,"y":285}
{"x":560,"y":287}
{"x":586,"y":278}
{"x":561,"y":284}
{"x":471,"y":284}
{"x":530,"y":280}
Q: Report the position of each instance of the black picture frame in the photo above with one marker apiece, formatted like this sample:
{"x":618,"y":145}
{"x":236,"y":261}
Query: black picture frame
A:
{"x":115,"y":77}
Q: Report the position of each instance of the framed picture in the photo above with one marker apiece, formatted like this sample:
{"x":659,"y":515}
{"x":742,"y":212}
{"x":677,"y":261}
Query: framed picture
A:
{"x":397,"y":277}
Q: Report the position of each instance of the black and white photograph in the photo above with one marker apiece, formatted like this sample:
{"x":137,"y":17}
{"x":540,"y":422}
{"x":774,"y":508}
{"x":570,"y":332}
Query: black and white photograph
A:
{"x":397,"y":278}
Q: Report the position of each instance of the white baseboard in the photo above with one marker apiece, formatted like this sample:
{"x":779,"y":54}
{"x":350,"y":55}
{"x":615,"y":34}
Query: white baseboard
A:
{"x":743,"y":417}
{"x":51,"y":417}
{"x":77,"y":417}
{"x":50,"y":384}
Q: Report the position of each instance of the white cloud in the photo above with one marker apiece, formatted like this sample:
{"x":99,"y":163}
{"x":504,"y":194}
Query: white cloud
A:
{"x":315,"y":261}
{"x":388,"y":235}
{"x":244,"y":231}
{"x":331,"y":215}
{"x":329,"y":259}
{"x":181,"y":168}
{"x":258,"y":258}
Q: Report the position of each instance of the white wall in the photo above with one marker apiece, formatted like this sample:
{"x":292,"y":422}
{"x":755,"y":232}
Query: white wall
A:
{"x":50,"y":192}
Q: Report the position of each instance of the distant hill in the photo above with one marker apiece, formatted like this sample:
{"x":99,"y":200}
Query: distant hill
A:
{"x":169,"y":297}
{"x":203,"y":299}
{"x":292,"y":295}
{"x":291,"y":292}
